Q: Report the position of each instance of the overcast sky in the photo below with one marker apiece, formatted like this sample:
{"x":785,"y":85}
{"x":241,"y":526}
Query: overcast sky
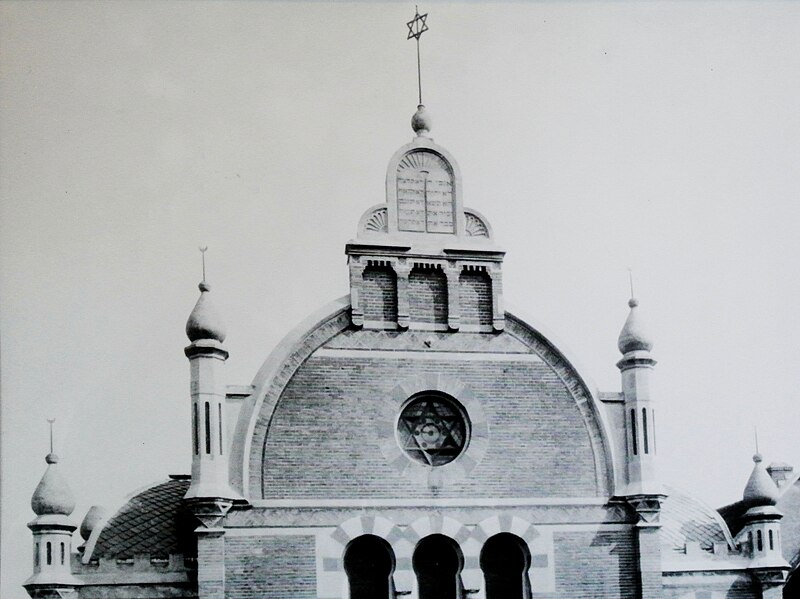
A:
{"x":661,"y":136}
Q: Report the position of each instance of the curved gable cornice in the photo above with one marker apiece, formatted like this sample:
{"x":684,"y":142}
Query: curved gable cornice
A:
{"x":275,"y":372}
{"x":317,"y":329}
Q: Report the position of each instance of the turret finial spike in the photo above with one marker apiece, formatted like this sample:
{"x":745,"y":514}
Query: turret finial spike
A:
{"x":755,"y":433}
{"x":50,"y":421}
{"x":203,"y":249}
{"x":630,"y":278}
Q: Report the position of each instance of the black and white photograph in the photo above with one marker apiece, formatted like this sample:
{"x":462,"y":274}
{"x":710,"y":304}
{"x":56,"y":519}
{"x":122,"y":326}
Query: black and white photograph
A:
{"x":363,"y":300}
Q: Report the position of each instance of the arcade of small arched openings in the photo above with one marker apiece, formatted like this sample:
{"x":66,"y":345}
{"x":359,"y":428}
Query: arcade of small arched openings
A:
{"x":435,"y":557}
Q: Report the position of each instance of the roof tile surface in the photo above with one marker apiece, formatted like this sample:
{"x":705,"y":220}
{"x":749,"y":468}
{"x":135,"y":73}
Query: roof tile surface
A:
{"x":150,"y":523}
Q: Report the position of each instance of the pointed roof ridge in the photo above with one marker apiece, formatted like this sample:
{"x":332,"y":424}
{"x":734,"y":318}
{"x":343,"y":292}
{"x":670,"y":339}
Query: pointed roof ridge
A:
{"x":760,"y":488}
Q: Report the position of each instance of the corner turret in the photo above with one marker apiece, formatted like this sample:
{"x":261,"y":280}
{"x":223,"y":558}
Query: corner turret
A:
{"x":636,"y":367}
{"x":210,"y":495}
{"x":53,"y":503}
{"x":760,"y":537}
{"x":642,"y":490}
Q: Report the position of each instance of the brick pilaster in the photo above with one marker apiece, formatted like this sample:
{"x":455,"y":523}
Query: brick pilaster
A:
{"x":649,"y":555}
{"x":356,"y":285}
{"x":498,"y":314}
{"x":648,"y":543}
{"x":403,"y":270}
{"x":452,"y":271}
{"x":210,"y":563}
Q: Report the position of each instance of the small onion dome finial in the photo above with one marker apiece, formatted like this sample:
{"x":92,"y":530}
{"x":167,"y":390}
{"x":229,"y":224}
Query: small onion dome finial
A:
{"x":52,"y":495}
{"x":760,"y":489}
{"x":634,"y":335}
{"x":421,"y":122}
{"x":93,"y":517}
{"x":204,"y":322}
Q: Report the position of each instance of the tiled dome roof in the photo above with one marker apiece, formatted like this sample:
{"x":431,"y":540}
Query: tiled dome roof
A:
{"x":151,"y":522}
{"x":685,"y":519}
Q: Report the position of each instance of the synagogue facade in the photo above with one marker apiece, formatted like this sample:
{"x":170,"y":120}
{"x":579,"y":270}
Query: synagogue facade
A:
{"x":415,"y":439}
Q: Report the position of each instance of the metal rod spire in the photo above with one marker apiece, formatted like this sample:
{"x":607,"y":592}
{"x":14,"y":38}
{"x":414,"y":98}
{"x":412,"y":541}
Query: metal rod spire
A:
{"x":416,"y":27}
{"x":419,"y":74}
{"x":50,"y":422}
{"x":755,"y":433}
{"x":203,"y":257}
{"x":630,"y":278}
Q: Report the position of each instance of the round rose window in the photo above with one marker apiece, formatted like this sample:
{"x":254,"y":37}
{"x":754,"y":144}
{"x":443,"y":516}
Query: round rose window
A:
{"x":432,"y":429}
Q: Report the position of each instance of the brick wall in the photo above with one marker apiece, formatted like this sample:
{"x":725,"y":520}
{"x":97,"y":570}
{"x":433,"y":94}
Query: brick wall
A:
{"x":475,"y":290}
{"x":590,"y":564}
{"x":427,"y":295}
{"x":270,"y":567}
{"x":379,"y":294}
{"x":323,"y":440}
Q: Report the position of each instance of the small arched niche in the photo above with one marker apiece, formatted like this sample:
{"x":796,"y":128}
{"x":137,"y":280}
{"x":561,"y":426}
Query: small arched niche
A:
{"x":438,"y":563}
{"x":505,"y":560}
{"x":369,"y":564}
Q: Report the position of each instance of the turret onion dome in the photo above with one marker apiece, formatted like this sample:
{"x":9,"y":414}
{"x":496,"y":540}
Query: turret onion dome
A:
{"x":760,"y":489}
{"x":52,"y":495}
{"x":94,"y":516}
{"x":421,"y":121}
{"x":634,"y":335}
{"x":204,"y":322}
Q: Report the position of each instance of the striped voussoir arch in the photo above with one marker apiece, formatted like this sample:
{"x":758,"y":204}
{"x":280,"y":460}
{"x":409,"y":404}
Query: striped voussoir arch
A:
{"x":331,"y":548}
{"x":538,"y":541}
{"x":449,"y":527}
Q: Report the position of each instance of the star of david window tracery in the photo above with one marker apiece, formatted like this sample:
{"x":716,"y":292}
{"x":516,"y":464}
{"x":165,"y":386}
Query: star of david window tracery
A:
{"x":432,"y":430}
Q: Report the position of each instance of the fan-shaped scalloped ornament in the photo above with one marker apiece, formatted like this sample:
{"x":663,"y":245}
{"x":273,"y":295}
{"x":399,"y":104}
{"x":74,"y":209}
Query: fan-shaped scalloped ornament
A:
{"x":474,"y":226}
{"x":378,"y":222}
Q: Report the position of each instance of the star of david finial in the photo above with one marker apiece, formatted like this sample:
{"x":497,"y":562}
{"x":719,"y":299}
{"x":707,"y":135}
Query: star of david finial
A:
{"x":416,"y":27}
